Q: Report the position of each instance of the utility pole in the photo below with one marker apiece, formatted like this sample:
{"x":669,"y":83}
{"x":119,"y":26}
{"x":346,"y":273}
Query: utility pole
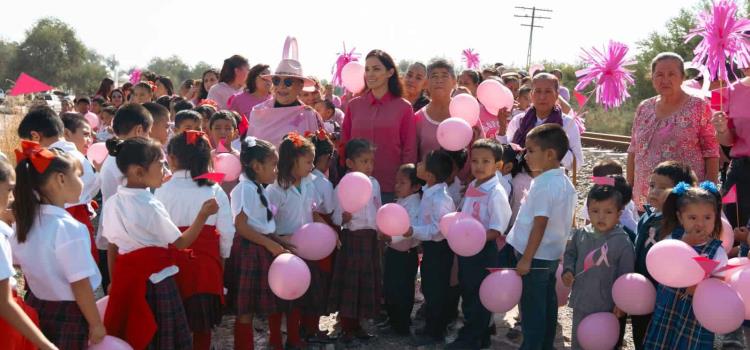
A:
{"x":531,"y":26}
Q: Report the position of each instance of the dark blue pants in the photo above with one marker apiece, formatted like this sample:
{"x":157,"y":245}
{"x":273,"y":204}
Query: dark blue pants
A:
{"x":437,"y":259}
{"x":398,"y":287}
{"x":539,"y":306}
{"x":471,"y":272}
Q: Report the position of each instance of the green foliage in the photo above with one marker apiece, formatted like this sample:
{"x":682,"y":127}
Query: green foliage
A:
{"x":7,"y":53}
{"x":172,"y":67}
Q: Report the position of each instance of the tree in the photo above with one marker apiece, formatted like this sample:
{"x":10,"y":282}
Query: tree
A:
{"x":7,"y":54}
{"x":172,"y":67}
{"x":199,"y":68}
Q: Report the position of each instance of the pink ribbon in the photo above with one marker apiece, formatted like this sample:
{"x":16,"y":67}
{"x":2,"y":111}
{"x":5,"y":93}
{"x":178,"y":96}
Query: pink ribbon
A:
{"x":475,"y":210}
{"x":220,"y":148}
{"x":603,"y":180}
{"x":651,"y":240}
{"x":273,"y":209}
{"x":588,"y":262}
{"x":473,"y":192}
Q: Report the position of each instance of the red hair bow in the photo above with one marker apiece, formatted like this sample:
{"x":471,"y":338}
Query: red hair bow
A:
{"x":192,"y":135}
{"x":37,"y":155}
{"x":152,"y":85}
{"x":297,"y":140}
{"x":320,"y":134}
{"x":209,"y":102}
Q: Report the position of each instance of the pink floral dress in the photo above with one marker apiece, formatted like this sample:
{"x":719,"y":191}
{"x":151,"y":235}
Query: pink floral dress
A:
{"x":686,"y":136}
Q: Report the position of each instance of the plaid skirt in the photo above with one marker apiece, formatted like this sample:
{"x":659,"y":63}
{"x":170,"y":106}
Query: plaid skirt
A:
{"x":61,"y":322}
{"x":673,"y":325}
{"x":314,"y":301}
{"x":246,"y":278}
{"x":172,"y":330}
{"x":356,"y":285}
{"x":203,"y":311}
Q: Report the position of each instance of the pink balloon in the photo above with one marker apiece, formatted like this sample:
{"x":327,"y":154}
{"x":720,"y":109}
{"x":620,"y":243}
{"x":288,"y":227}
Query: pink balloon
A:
{"x":97,"y":152}
{"x":353,"y":76}
{"x":561,"y":290}
{"x":740,"y":262}
{"x":101,"y":305}
{"x":448,"y":219}
{"x":354,"y":191}
{"x":740,"y":282}
{"x":454,"y":134}
{"x":229,"y":164}
{"x":717,"y":306}
{"x":467,"y":237}
{"x":314,"y":241}
{"x":288,"y":277}
{"x":671,"y":263}
{"x":494,"y":96}
{"x":727,"y":235}
{"x":93,"y":120}
{"x":392,"y":219}
{"x":466,"y":107}
{"x":599,"y":331}
{"x":501,"y":290}
{"x":111,"y":343}
{"x":634,"y":294}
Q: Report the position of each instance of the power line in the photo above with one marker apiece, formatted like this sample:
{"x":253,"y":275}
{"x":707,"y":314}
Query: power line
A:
{"x":531,"y":25}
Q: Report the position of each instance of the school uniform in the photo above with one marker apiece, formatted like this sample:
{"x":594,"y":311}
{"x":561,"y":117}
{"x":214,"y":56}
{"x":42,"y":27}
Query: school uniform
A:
{"x":553,"y":196}
{"x":437,"y":258}
{"x":324,"y":188}
{"x":456,"y":191}
{"x":246,"y":274}
{"x":674,"y":325}
{"x":145,"y":308}
{"x":356,"y":284}
{"x":488,"y":203}
{"x":200,"y":278}
{"x":647,"y":234}
{"x":12,"y":339}
{"x":56,"y":253}
{"x":400,"y":270}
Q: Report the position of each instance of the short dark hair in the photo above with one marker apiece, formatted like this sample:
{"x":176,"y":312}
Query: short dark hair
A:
{"x":227,"y":74}
{"x":111,"y":110}
{"x":550,"y":136}
{"x":129,"y":116}
{"x":138,"y":151}
{"x":677,"y":172}
{"x":99,"y":100}
{"x":357,"y":147}
{"x":328,"y":104}
{"x":42,"y":120}
{"x":441,"y":63}
{"x":410,"y":171}
{"x":73,"y":121}
{"x":222,"y":115}
{"x":491,"y":145}
{"x":459,"y":158}
{"x":475,"y":76}
{"x":182,"y":116}
{"x":165,"y":101}
{"x":83,"y":99}
{"x":524,"y":90}
{"x":606,"y":167}
{"x":603,"y":192}
{"x":182,"y":106}
{"x":158,"y":111}
{"x":439,"y":163}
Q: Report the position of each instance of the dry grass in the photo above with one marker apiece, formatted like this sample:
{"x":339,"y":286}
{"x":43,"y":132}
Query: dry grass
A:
{"x":9,"y":141}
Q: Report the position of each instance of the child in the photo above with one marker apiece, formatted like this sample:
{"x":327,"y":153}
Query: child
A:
{"x":605,"y":243}
{"x":18,"y":322}
{"x":486,"y":201}
{"x":145,"y":308}
{"x":83,"y":105}
{"x":540,"y":233}
{"x":665,"y":176}
{"x":105,"y":129}
{"x":294,"y":196}
{"x":53,"y":249}
{"x":206,"y":110}
{"x":326,"y":109}
{"x":356,"y":283}
{"x":187,"y":120}
{"x":189,"y":157}
{"x":454,"y":185}
{"x":507,"y":168}
{"x":629,"y":217}
{"x":323,"y":186}
{"x":437,"y":258}
{"x":96,"y":105}
{"x":77,"y":131}
{"x":254,"y":246}
{"x":673,"y":325}
{"x":143,"y":92}
{"x":400,"y":259}
{"x":221,"y":132}
{"x":160,"y":128}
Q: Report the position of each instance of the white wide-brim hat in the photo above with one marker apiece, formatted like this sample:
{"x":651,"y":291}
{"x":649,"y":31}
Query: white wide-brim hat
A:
{"x":289,"y":67}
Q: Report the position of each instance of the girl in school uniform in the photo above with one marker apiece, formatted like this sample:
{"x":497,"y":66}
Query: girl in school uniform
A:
{"x":145,"y":308}
{"x":254,"y":246}
{"x":294,"y":195}
{"x":53,"y":249}
{"x":18,"y":322}
{"x":200,"y":278}
{"x":356,"y":285}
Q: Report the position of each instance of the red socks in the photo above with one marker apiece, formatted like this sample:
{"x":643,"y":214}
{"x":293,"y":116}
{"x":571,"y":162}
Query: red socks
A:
{"x":243,"y":336}
{"x":292,"y":329}
{"x":350,"y":325}
{"x":202,"y":340}
{"x":274,"y":327}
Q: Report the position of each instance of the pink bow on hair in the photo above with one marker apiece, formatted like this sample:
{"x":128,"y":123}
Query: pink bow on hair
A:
{"x":473,"y":192}
{"x":603,"y":180}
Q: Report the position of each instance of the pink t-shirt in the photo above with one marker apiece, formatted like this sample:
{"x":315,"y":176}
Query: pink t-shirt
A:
{"x":426,"y":133}
{"x":221,"y":93}
{"x":244,"y":102}
{"x":489,"y":122}
{"x":738,"y":103}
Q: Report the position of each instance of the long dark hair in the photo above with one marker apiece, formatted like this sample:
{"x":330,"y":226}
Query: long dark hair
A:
{"x":227,"y":74}
{"x":194,"y":157}
{"x":137,"y":151}
{"x":167,"y":84}
{"x":394,"y":82}
{"x":256,"y":150}
{"x":204,"y":93}
{"x":105,"y":88}
{"x":28,"y":192}
{"x":292,"y":147}
{"x":676,"y":202}
{"x":255,"y":72}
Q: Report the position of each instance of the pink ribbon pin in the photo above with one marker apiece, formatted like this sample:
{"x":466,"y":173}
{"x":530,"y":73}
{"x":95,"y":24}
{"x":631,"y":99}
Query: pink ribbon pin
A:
{"x":588,"y":262}
{"x":475,"y":210}
{"x":473,"y":192}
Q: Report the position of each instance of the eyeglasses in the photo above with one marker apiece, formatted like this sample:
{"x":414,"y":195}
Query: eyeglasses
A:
{"x":288,"y":82}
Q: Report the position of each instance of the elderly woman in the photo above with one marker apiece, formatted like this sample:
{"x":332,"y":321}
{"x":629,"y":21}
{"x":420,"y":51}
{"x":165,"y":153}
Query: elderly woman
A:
{"x":231,"y":80}
{"x":670,"y":126}
{"x":384,"y":118}
{"x":415,"y":81}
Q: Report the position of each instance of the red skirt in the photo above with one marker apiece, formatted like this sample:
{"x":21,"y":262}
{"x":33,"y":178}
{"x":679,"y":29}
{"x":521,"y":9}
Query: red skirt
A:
{"x":314,"y":301}
{"x":61,"y":322}
{"x":246,"y":277}
{"x":356,"y":285}
{"x":13,"y":340}
{"x":172,"y":331}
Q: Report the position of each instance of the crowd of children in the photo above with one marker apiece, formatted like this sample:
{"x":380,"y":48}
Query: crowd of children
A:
{"x":176,"y":248}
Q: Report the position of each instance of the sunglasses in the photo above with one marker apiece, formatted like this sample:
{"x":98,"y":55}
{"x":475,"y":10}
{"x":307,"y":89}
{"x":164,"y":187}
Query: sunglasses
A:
{"x":288,"y":82}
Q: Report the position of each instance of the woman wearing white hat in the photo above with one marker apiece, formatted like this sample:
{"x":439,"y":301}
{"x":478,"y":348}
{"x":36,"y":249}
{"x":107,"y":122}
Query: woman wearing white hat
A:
{"x":284,"y":113}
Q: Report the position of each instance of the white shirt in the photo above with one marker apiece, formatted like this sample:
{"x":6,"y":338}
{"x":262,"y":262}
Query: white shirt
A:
{"x":7,"y":271}
{"x":435,"y":204}
{"x":294,"y":206}
{"x":183,"y":200}
{"x":90,"y":180}
{"x":627,"y":218}
{"x":491,"y":209}
{"x":506,"y":181}
{"x":324,"y":188}
{"x":110,"y":177}
{"x":412,"y":205}
{"x":56,"y":253}
{"x":455,"y":191}
{"x":521,"y":183}
{"x":364,"y":219}
{"x":553,"y":196}
{"x":245,"y":199}
{"x":571,"y":129}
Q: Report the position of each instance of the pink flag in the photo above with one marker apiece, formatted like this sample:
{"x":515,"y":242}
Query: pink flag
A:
{"x":581,"y":98}
{"x":220,"y":148}
{"x":707,"y":264}
{"x":214,"y":177}
{"x":731,"y":196}
{"x":26,"y":84}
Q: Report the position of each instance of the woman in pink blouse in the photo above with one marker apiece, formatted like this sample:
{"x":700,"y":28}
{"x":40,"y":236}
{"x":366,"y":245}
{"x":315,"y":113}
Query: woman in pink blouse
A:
{"x":670,"y":126}
{"x":384,"y":118}
{"x":231,"y":80}
{"x":257,"y":90}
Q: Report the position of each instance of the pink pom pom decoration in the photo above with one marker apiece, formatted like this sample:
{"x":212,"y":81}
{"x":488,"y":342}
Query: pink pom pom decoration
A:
{"x":343,"y":58}
{"x":471,"y":58}
{"x":607,"y":69}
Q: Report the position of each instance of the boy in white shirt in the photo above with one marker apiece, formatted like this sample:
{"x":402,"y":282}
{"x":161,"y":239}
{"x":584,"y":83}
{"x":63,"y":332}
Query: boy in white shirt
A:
{"x":540,"y":233}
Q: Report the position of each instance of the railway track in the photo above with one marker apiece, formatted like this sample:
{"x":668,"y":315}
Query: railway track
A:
{"x":617,"y":143}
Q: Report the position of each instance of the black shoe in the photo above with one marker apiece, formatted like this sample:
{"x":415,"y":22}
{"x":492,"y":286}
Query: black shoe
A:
{"x":486,"y":342}
{"x":425,"y":340}
{"x":384,"y":323}
{"x":392,"y":332}
{"x":460,"y":344}
{"x":319,"y":339}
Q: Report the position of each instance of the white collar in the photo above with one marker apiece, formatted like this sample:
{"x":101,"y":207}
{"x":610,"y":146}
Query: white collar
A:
{"x":428,"y":191}
{"x":54,"y":210}
{"x":409,"y":198}
{"x":182,"y":174}
{"x":487,"y":185}
{"x":551,"y":173}
{"x":133,"y":191}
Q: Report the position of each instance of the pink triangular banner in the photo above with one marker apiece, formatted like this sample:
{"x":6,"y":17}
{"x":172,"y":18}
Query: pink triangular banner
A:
{"x":26,"y":84}
{"x":708,"y":265}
